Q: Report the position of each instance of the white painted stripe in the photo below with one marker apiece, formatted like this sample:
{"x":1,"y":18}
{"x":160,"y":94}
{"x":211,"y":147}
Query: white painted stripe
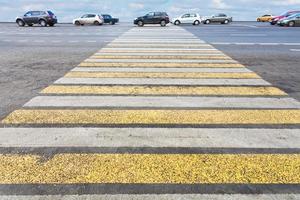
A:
{"x":291,"y":44}
{"x":157,"y":61}
{"x":249,"y":35}
{"x":153,"y":81}
{"x":115,"y":69}
{"x":295,"y":50}
{"x":160,"y":49}
{"x":157,"y":42}
{"x":168,"y":102}
{"x":217,"y":53}
{"x":147,"y":137}
{"x":243,"y":43}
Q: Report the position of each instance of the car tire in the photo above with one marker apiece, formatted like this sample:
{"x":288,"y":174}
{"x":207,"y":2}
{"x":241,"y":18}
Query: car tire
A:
{"x":291,"y":24}
{"x":207,"y":21}
{"x":77,"y":23}
{"x":43,"y":23}
{"x":111,"y":23}
{"x":196,"y":23}
{"x":177,"y":22}
{"x":163,"y":23}
{"x":96,"y":23}
{"x":140,"y":23}
{"x":20,"y":22}
{"x":258,"y":20}
{"x":51,"y":25}
{"x":226,"y":21}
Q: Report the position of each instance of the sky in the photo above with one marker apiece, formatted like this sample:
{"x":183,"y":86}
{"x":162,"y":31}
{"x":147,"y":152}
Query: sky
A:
{"x":127,"y":10}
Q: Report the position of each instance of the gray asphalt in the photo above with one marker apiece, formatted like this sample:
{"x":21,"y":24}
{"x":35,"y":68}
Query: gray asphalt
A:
{"x":34,"y":57}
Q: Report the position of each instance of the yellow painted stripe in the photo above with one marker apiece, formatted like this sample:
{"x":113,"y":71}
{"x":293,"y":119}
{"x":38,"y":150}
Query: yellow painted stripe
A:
{"x":164,"y":65}
{"x":247,"y":75}
{"x":151,"y":169}
{"x":127,"y":117}
{"x":164,"y":90}
{"x":160,"y":57}
{"x":112,"y":50}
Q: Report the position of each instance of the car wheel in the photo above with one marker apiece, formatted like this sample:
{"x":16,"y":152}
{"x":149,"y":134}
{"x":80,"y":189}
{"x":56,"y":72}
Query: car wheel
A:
{"x":291,"y":24}
{"x":96,"y":23}
{"x":163,"y":23}
{"x":77,"y":23}
{"x":20,"y":22}
{"x":177,"y":22}
{"x":51,"y":24}
{"x":196,"y":22}
{"x":140,"y":23}
{"x":43,"y":23}
{"x":111,"y":23}
{"x":207,"y":21}
{"x":226,"y":21}
{"x":258,"y":20}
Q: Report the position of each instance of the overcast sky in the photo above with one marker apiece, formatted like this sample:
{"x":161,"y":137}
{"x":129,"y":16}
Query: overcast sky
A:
{"x":126,"y":10}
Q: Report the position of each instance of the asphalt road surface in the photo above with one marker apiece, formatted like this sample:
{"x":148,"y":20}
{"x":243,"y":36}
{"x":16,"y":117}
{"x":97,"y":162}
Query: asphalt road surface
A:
{"x":121,"y":112}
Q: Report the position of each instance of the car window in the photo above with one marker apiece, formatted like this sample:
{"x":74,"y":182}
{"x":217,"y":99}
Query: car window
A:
{"x":84,"y":16}
{"x":91,"y":16}
{"x":50,"y":12}
{"x":150,"y":14}
{"x":35,"y":13}
{"x":186,"y":16}
{"x":43,"y":13}
{"x":28,"y":14}
{"x":193,"y":15}
{"x":158,"y":14}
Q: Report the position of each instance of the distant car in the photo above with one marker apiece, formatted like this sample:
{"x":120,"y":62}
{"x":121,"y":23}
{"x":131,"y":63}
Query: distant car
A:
{"x":219,"y":18}
{"x":161,"y":18}
{"x":283,"y":16}
{"x":108,"y":19}
{"x":293,"y":20}
{"x":91,"y":19}
{"x":190,"y":18}
{"x":43,"y":18}
{"x":265,"y":18}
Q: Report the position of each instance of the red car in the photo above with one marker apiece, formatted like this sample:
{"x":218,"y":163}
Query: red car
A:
{"x":282,"y":16}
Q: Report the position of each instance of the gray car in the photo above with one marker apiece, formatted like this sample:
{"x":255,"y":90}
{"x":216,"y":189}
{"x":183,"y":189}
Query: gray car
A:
{"x":43,"y":18}
{"x":219,"y":18}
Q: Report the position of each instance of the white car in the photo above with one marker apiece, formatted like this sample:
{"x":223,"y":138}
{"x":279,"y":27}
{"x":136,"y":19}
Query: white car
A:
{"x":89,"y":19}
{"x":190,"y":18}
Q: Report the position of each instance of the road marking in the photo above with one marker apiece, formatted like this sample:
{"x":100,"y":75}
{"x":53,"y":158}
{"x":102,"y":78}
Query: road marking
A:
{"x":161,"y":102}
{"x":166,"y":81}
{"x":249,"y":35}
{"x":142,"y":45}
{"x":195,"y":75}
{"x":151,"y":169}
{"x":159,"y":61}
{"x":91,"y":41}
{"x":39,"y":41}
{"x":148,"y":137}
{"x":243,"y":43}
{"x":114,"y":69}
{"x":213,"y":53}
{"x":295,"y":50}
{"x":177,"y":50}
{"x":163,"y":65}
{"x":183,"y":57}
{"x":154,"y":117}
{"x":165,"y":90}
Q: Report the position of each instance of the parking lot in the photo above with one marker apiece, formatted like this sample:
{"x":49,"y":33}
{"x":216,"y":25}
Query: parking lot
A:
{"x":190,"y":112}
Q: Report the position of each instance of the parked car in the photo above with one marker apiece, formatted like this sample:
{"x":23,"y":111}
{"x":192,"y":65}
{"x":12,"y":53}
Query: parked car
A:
{"x":219,"y":18}
{"x":161,"y":18}
{"x":265,"y":18}
{"x":293,"y":20}
{"x":283,"y":16}
{"x":43,"y":18}
{"x":108,"y":19}
{"x":91,"y":19}
{"x":190,"y":18}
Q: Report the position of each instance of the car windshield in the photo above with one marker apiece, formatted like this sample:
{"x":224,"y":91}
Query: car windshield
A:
{"x":50,"y":13}
{"x":283,"y":14}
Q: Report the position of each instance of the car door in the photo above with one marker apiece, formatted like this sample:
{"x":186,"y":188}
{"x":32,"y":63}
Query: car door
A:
{"x":157,"y":17}
{"x":149,"y":18}
{"x":27,"y":18}
{"x":192,"y":18}
{"x":185,"y":18}
{"x":84,"y":19}
{"x":35,"y":17}
{"x":91,"y":18}
{"x":297,"y":20}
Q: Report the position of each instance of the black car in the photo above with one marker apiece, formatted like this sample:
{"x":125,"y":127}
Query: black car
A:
{"x":43,"y":18}
{"x":161,"y":18}
{"x":108,"y":19}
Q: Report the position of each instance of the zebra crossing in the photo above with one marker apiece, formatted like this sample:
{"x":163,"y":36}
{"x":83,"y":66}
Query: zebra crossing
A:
{"x":157,"y":113}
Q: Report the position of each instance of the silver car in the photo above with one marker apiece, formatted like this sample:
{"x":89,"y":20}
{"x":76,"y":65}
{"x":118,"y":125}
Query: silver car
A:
{"x":92,"y":19}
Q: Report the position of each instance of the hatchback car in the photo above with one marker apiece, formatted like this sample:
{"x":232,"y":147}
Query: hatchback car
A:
{"x":43,"y":18}
{"x":91,"y":19}
{"x":194,"y":19}
{"x":293,"y":20}
{"x":265,"y":18}
{"x":161,"y":18}
{"x":219,"y":18}
{"x":282,"y":16}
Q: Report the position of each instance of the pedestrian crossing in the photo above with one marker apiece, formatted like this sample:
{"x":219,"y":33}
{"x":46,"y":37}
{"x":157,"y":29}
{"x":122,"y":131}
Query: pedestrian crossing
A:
{"x":156,"y":112}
